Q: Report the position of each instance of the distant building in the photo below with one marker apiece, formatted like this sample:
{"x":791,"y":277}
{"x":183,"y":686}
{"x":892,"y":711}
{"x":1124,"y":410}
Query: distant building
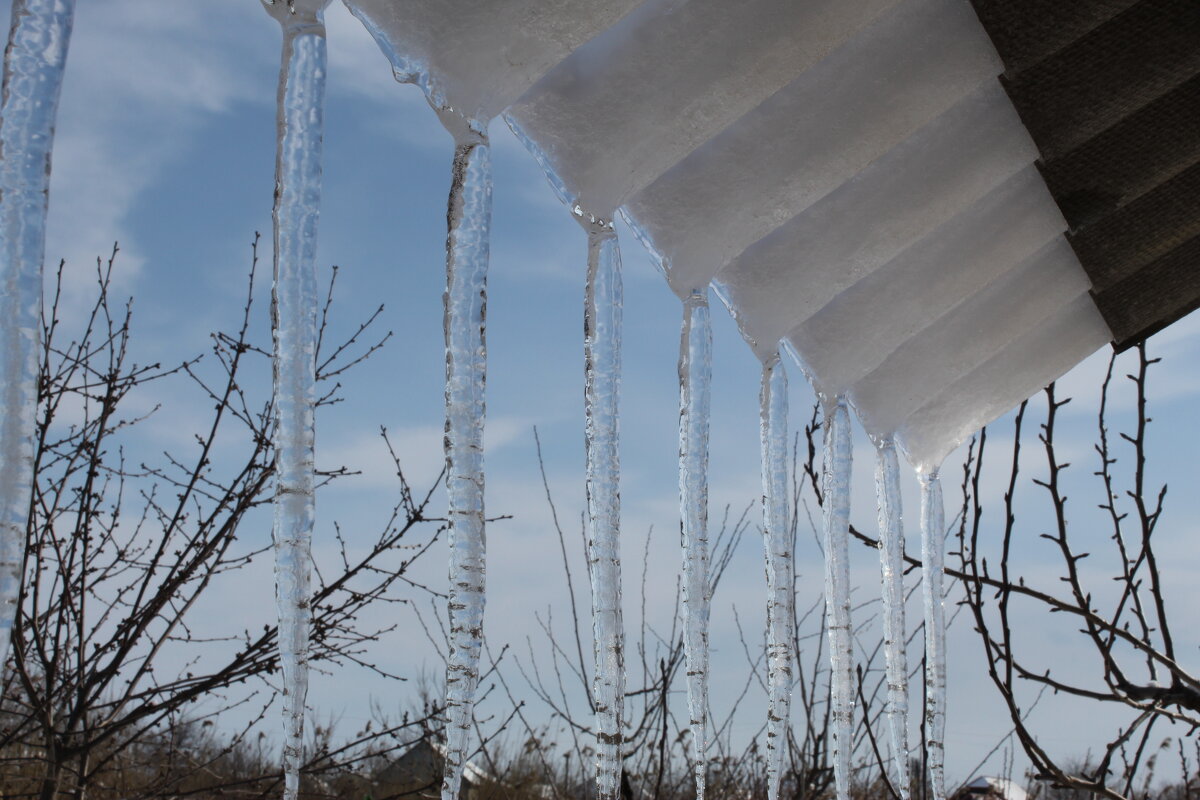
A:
{"x":984,"y":788}
{"x":419,"y":771}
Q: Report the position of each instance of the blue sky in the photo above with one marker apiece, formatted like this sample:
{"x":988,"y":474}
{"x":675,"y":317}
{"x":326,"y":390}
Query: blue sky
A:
{"x":166,"y":143}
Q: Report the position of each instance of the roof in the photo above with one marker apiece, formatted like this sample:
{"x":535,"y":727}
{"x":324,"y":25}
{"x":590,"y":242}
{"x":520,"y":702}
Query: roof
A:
{"x":1003,"y":788}
{"x":426,"y":758}
{"x":936,"y":206}
{"x":1110,"y":92}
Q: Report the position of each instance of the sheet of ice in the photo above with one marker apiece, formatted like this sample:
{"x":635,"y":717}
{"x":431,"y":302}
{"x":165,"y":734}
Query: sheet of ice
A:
{"x":695,"y":390}
{"x":469,"y":217}
{"x":478,"y":56}
{"x":966,"y":254}
{"x":300,"y":127}
{"x":836,"y":525}
{"x":639,"y":97}
{"x":958,"y":158}
{"x":777,"y":543}
{"x":891,"y":565}
{"x":33,"y":72}
{"x":933,"y":544}
{"x":888,"y":80}
{"x":968,"y":335}
{"x":1039,"y":357}
{"x":602,"y":367}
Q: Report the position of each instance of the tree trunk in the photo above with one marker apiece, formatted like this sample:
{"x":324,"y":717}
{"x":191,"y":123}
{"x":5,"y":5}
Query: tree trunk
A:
{"x":81,"y":782}
{"x":54,"y":770}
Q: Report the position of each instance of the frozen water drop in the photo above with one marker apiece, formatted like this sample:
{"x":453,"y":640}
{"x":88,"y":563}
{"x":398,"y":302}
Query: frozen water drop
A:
{"x":836,"y":523}
{"x":300,"y":130}
{"x":33,"y":72}
{"x":891,"y":562}
{"x":933,"y":541}
{"x":468,"y":244}
{"x":777,"y":541}
{"x":695,"y":387}
{"x":602,"y":369}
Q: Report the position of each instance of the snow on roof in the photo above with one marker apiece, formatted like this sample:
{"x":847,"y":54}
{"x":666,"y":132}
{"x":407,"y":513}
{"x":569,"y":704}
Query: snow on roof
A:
{"x":471,"y":771}
{"x":827,"y":163}
{"x":1007,"y":789}
{"x":838,"y":162}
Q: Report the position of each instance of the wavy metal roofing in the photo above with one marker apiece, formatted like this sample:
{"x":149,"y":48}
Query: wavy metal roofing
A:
{"x":938,"y":206}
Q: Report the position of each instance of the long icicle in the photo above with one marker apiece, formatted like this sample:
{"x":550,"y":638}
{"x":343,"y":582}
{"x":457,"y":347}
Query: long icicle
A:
{"x":836,"y":523}
{"x":300,"y":127}
{"x":891,"y":563}
{"x":695,"y":387}
{"x":602,"y":366}
{"x":933,"y":540}
{"x":467,"y":248}
{"x":33,"y":71}
{"x":777,"y":541}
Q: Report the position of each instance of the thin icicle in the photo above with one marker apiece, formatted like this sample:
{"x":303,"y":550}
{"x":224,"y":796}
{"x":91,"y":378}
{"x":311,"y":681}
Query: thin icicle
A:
{"x":777,"y":541}
{"x":891,"y":563}
{"x":294,"y":306}
{"x":602,"y":366}
{"x":33,"y":71}
{"x":933,"y":541}
{"x":836,"y":484}
{"x":467,"y":245}
{"x":695,"y":386}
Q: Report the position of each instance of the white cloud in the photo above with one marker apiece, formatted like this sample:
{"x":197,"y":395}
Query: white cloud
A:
{"x":140,"y":80}
{"x":418,"y":447}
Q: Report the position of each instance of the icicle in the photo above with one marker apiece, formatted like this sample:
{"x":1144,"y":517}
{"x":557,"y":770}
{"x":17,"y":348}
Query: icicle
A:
{"x":891,"y":563}
{"x":33,"y":71}
{"x":933,"y":540}
{"x":695,"y":377}
{"x":836,"y":484}
{"x":297,"y":206}
{"x":602,"y":365}
{"x":467,"y":246}
{"x":777,"y":539}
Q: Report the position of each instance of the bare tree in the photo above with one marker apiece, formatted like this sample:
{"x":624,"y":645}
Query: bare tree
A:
{"x":113,"y":689}
{"x":103,"y":692}
{"x":551,"y":680}
{"x":1123,"y":621}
